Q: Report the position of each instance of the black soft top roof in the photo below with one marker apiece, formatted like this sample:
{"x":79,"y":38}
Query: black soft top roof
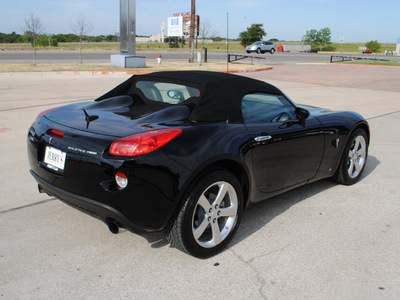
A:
{"x":221,"y":93}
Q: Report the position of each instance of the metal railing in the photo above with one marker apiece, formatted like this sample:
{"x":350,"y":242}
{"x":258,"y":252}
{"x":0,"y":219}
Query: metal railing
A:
{"x":236,"y":57}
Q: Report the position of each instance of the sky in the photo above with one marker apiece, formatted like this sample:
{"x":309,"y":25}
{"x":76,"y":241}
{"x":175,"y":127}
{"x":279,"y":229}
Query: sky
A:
{"x":289,"y":20}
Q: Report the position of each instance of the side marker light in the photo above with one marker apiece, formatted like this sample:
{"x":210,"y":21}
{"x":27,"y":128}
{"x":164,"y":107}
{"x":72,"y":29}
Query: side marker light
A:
{"x":121,"y":180}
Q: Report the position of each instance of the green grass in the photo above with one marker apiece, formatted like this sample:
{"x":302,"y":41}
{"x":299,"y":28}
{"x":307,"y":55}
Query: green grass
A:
{"x":233,"y":46}
{"x":219,"y":46}
{"x":354,"y":48}
{"x":222,"y":46}
{"x":346,"y":48}
{"x":372,"y":62}
{"x":115,"y":47}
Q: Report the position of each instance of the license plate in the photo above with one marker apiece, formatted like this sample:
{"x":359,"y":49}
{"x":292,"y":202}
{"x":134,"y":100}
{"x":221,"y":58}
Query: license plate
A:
{"x":54,"y":159}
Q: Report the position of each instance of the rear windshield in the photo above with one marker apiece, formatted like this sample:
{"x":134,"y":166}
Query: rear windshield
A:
{"x":166,"y":92}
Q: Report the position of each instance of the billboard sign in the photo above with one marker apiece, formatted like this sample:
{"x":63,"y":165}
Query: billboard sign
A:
{"x":175,"y":26}
{"x":186,"y":20}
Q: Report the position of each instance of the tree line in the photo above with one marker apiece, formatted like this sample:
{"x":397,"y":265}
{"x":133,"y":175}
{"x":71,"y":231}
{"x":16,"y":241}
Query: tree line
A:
{"x":317,"y":39}
{"x":13,"y":37}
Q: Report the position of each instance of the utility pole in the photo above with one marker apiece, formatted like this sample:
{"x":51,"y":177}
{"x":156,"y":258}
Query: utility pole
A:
{"x":192,"y":26}
{"x":227,"y":42}
{"x":127,"y":57}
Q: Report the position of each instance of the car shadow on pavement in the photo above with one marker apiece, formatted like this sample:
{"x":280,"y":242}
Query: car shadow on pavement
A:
{"x":259,"y":215}
{"x":156,"y":239}
{"x":372,"y":163}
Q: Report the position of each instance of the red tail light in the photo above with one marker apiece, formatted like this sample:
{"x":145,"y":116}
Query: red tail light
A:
{"x":57,"y":133}
{"x":143,"y":143}
{"x":47,"y":111}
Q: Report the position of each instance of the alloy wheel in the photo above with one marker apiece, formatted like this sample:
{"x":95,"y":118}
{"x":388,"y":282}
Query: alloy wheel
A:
{"x":215,"y":214}
{"x":356,"y":157}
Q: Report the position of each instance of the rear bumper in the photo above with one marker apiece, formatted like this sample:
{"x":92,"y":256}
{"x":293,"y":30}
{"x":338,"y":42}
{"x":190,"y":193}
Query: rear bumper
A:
{"x":87,"y":181}
{"x":91,"y":207}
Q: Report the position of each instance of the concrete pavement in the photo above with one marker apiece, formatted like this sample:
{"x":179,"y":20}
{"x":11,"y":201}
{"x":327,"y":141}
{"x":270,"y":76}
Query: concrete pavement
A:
{"x":321,"y":241}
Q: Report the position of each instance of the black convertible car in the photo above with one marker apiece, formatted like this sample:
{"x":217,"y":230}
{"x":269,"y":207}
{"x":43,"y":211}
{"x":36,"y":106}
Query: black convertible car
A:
{"x":187,"y":151}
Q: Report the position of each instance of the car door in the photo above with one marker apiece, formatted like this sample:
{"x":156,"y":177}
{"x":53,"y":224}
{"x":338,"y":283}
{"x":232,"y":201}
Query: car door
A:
{"x":264,"y":46}
{"x":284,"y":152}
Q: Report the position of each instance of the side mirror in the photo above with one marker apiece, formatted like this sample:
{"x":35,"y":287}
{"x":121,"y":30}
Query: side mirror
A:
{"x":302,"y":114}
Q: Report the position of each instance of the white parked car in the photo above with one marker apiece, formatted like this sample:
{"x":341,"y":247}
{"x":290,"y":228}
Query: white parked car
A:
{"x":261,"y":47}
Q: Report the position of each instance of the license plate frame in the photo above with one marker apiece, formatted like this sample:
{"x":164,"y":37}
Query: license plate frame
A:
{"x":54,"y":159}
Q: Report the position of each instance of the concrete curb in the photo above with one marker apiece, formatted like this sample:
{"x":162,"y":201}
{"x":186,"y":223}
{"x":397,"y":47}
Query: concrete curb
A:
{"x":144,"y":72}
{"x":247,"y":71}
{"x":101,"y":73}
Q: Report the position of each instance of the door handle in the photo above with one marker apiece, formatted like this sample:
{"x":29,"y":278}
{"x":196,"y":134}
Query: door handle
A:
{"x":262,"y":138}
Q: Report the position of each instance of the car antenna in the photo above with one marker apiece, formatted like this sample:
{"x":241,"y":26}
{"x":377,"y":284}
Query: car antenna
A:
{"x":89,"y":118}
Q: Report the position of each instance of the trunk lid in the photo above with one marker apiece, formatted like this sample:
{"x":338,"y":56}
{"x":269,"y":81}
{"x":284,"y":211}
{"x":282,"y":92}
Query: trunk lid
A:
{"x":118,"y":116}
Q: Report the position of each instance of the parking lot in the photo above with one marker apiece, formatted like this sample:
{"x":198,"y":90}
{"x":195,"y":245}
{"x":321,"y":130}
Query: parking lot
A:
{"x":321,"y":241}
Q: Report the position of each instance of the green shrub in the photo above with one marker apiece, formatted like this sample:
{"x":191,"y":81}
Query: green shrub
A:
{"x":66,"y":38}
{"x":329,"y":48}
{"x":43,"y":41}
{"x":174,"y":42}
{"x":218,"y":39}
{"x":374,"y":46}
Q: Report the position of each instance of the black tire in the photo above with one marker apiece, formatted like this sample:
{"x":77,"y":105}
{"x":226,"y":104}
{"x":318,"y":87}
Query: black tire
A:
{"x":248,"y":52}
{"x":258,"y":51}
{"x":272,"y":51}
{"x":354,"y":158}
{"x":205,"y":223}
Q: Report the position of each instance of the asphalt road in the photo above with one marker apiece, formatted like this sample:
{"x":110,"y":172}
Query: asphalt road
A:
{"x":321,"y":241}
{"x":54,"y":57}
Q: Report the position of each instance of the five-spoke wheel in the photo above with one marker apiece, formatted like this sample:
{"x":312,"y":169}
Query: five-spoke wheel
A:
{"x":209,"y":216}
{"x":215,"y":214}
{"x":357,"y":156}
{"x":354,"y":158}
